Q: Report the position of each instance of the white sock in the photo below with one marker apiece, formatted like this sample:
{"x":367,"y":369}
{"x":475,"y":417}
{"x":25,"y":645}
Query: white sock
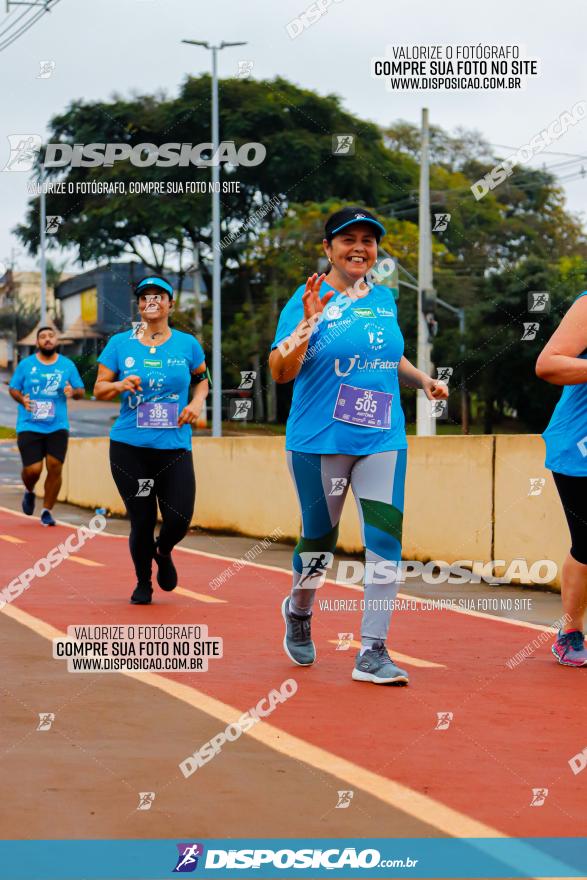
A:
{"x":45,"y":509}
{"x":364,"y":648}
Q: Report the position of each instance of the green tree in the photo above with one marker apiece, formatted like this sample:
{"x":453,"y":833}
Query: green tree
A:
{"x":293,"y":124}
{"x":516,"y":239}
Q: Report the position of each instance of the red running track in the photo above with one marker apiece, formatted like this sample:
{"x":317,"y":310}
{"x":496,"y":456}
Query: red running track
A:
{"x":513,"y":729}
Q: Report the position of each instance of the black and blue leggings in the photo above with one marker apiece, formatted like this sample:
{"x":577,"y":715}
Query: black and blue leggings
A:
{"x":322,"y":483}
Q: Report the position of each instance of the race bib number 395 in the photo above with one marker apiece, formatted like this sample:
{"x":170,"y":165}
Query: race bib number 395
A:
{"x":157,"y":415}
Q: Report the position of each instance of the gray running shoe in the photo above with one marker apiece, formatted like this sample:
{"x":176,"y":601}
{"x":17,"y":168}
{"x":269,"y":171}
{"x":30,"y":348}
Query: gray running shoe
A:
{"x":297,"y":642}
{"x":377,"y":666}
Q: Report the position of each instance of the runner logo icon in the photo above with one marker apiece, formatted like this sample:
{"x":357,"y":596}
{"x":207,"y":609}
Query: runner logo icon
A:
{"x":344,"y":799}
{"x":338,"y":485}
{"x":46,"y":719}
{"x":146,"y":799}
{"x":24,"y":149}
{"x":247,"y":379}
{"x":444,"y":719}
{"x":344,"y":641}
{"x":539,"y":795}
{"x":314,"y":565}
{"x":187,"y":860}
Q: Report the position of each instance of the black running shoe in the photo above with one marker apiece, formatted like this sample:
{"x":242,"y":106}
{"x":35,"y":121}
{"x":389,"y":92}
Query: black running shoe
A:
{"x":142,"y":595}
{"x":166,"y":571}
{"x":28,"y":503}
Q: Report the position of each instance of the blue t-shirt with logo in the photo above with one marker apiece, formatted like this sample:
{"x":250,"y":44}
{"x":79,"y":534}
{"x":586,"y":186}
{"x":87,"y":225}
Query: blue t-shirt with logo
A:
{"x":566,"y":434}
{"x":44,"y":383}
{"x":149,"y":417}
{"x":346,"y":396}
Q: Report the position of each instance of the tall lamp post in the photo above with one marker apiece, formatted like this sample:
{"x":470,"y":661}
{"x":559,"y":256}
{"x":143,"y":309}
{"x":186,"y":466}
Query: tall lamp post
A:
{"x":425,"y":424}
{"x":216,"y":319}
{"x":42,"y":229}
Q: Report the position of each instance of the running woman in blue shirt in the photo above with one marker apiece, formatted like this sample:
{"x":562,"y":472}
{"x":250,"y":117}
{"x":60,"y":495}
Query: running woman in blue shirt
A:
{"x":563,"y":361}
{"x":42,"y":384}
{"x":152,"y":368}
{"x":339,"y":338}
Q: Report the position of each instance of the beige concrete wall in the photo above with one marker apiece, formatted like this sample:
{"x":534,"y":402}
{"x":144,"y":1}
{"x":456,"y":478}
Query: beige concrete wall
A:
{"x":448,"y":498}
{"x":466,"y":497}
{"x":243,"y":485}
{"x":527,"y":526}
{"x":89,"y":481}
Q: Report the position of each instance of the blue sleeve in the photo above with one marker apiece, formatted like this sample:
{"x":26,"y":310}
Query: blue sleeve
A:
{"x":290,"y":317}
{"x":197,"y":356}
{"x":109,"y":356}
{"x":75,"y":379}
{"x":17,"y":380}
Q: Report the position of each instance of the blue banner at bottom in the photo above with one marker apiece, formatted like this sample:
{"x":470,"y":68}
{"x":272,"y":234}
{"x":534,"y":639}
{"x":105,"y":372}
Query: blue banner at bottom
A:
{"x":303,"y":858}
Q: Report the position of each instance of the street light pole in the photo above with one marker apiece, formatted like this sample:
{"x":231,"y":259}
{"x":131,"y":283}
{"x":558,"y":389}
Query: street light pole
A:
{"x":43,"y":223}
{"x":460,"y":312}
{"x":426,"y":426}
{"x":216,"y":291}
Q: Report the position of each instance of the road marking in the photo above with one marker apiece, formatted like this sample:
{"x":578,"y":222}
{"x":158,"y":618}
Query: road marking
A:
{"x":480,"y":614}
{"x":403,"y":658}
{"x":410,"y":802}
{"x":11,"y":539}
{"x":81,"y":561}
{"x":394,"y":794}
{"x":200,"y":597}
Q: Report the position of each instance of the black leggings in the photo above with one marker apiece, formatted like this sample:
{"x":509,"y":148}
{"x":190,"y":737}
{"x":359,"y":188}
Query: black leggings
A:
{"x":144,"y":477}
{"x":573,"y":495}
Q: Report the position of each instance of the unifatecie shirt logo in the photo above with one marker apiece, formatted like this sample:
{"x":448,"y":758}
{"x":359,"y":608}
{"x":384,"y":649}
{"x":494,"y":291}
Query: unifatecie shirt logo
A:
{"x":147,"y":362}
{"x":364,"y":313}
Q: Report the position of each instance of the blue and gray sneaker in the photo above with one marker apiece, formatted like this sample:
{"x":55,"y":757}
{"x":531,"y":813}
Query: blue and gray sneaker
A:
{"x":377,"y":666}
{"x":28,"y":503}
{"x":569,"y":648}
{"x":297,"y":642}
{"x":47,"y":519}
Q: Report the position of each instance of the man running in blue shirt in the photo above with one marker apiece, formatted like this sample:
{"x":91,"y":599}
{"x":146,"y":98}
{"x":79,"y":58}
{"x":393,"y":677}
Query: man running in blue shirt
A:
{"x":41,"y":385}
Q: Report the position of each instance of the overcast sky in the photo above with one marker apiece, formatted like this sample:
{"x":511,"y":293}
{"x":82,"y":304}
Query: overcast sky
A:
{"x":125,"y":45}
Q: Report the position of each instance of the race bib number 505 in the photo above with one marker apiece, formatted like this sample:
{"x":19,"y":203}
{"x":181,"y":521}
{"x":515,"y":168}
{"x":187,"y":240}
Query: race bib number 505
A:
{"x":359,"y":406}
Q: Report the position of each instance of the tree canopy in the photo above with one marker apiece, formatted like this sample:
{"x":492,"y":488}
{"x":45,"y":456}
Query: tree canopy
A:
{"x":493,"y":252}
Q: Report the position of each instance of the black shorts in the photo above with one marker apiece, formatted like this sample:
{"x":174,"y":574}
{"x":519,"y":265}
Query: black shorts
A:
{"x":573,"y":495}
{"x":34,"y":446}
